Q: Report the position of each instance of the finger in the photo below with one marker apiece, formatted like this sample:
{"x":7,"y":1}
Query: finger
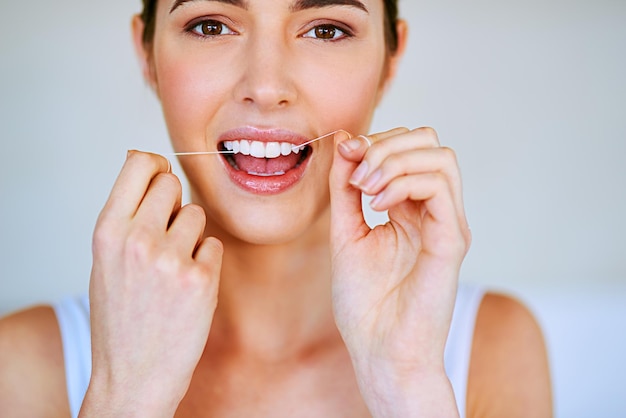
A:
{"x":133,"y":181}
{"x":379,"y":136}
{"x":442,"y":233}
{"x":355,"y":148}
{"x":347,"y":221}
{"x":430,"y":188}
{"x":161,"y":201}
{"x":389,"y":143}
{"x":187,"y":228}
{"x":441,"y":160}
{"x":209,"y":254}
{"x":394,"y":144}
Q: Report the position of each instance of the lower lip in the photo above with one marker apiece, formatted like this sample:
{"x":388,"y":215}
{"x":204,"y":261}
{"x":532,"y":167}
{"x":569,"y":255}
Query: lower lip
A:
{"x":266,"y":185}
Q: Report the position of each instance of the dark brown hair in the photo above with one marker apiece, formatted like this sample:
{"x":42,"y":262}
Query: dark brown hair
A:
{"x":148,"y":15}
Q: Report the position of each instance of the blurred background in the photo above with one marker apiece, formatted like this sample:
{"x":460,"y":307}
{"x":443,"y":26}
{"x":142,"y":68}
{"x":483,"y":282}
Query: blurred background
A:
{"x":531,"y":95}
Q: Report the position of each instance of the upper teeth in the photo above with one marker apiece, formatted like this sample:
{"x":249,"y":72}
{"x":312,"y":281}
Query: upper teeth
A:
{"x":261,"y":149}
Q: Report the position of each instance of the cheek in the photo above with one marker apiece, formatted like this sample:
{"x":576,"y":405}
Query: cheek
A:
{"x":345,"y":93}
{"x":190,"y":93}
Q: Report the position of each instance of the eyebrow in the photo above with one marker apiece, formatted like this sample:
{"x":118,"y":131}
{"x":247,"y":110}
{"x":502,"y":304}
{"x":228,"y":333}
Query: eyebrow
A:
{"x":316,"y":4}
{"x":297,"y":6}
{"x":238,"y":3}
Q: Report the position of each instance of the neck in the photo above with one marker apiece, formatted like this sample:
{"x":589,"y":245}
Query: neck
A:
{"x":275,"y":300}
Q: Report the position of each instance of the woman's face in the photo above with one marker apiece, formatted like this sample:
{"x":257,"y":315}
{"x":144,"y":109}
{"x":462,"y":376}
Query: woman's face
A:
{"x":274,"y":72}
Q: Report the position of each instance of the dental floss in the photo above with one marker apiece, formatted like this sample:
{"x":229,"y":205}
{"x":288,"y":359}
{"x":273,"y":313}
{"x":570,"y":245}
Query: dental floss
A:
{"x":317,"y":139}
{"x":369,"y":141}
{"x":293,"y":148}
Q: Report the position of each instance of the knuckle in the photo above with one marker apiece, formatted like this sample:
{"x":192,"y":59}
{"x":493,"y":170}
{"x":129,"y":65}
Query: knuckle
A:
{"x":103,"y":237}
{"x":196,"y":274}
{"x":192,"y":216}
{"x":168,"y":181}
{"x":148,"y":160}
{"x":139,"y":245}
{"x":195,"y":211}
{"x":198,"y":278}
{"x":168,"y":263}
{"x":213,"y":250}
{"x":395,"y":131}
{"x":139,"y":157}
{"x":449,"y":153}
{"x":428,"y":132}
{"x":394,"y":164}
{"x":166,"y":184}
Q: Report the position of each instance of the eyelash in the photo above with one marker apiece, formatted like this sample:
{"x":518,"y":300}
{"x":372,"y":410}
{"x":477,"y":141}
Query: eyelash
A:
{"x":197,"y":28}
{"x":328,"y":27}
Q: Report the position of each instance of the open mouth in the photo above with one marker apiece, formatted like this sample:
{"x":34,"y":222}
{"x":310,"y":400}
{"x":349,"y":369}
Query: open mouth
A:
{"x":264,"y":159}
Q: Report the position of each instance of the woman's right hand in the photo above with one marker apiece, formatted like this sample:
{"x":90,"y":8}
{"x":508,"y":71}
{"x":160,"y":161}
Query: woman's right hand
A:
{"x":153,"y":293}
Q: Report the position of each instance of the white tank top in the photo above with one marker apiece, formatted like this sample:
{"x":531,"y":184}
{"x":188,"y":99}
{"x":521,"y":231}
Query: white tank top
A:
{"x":73,"y":317}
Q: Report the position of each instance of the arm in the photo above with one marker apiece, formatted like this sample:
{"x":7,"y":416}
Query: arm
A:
{"x":32,"y":375}
{"x":509,"y":374}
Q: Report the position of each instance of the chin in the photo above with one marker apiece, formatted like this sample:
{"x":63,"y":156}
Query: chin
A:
{"x":273,"y":226}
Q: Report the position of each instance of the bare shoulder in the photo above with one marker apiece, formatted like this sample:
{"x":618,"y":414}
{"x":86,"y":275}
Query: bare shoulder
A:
{"x":509,"y":373}
{"x":32,"y":377}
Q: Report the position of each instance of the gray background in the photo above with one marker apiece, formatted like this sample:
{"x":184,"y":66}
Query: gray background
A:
{"x":531,"y":95}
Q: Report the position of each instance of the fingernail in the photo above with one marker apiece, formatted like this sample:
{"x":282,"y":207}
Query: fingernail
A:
{"x":359,"y":174}
{"x":377,"y":200}
{"x":350,"y":145}
{"x":372,"y":180}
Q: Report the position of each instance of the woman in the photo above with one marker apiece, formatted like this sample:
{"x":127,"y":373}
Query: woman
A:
{"x":318,"y":314}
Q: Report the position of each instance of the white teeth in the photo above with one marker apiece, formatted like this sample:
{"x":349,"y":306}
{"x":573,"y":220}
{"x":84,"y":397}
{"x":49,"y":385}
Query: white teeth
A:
{"x":244,"y":147}
{"x":278,"y":173}
{"x":257,"y":149}
{"x":260,"y":149}
{"x":285,"y":148}
{"x":272,"y":150}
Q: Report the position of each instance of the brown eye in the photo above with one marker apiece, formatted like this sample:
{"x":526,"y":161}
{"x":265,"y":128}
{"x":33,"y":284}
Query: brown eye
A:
{"x":325,"y":32}
{"x":210,"y":28}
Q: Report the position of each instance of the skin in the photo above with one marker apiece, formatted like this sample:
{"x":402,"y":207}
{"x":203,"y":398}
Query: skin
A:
{"x":318,"y":314}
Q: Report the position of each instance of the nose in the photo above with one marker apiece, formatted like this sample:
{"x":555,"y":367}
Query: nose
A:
{"x":266,"y":78}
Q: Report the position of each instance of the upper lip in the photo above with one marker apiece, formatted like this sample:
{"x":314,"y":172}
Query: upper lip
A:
{"x":263,"y":135}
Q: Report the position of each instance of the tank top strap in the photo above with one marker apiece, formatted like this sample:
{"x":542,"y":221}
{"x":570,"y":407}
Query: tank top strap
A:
{"x":460,"y":337}
{"x":73,"y":317}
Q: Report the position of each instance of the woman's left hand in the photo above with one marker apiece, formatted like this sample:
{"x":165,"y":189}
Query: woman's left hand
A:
{"x":394,"y":286}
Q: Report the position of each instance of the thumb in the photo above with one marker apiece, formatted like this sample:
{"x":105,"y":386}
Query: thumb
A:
{"x":346,"y":212}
